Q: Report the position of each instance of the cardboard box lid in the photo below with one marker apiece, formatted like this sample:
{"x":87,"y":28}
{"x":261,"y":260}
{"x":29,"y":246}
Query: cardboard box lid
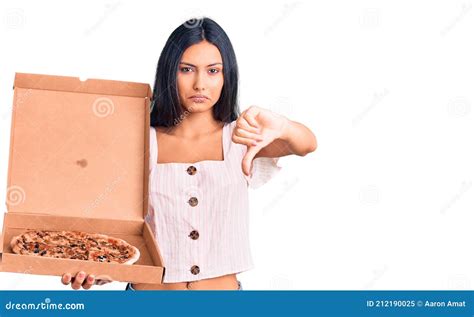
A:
{"x":79,"y":148}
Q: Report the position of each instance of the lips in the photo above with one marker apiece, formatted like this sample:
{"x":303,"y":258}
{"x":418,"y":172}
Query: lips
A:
{"x":199,"y":98}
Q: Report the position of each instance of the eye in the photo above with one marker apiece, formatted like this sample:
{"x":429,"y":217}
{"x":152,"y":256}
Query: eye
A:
{"x":185,"y":69}
{"x":214,"y":70}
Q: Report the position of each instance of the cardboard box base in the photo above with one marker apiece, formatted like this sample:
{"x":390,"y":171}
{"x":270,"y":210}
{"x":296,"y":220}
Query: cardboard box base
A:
{"x":148,"y":269}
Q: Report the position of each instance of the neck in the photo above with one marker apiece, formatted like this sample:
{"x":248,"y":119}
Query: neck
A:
{"x":196,"y":125}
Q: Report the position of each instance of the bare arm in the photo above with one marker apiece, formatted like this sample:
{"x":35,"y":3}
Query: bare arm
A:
{"x":296,"y":139}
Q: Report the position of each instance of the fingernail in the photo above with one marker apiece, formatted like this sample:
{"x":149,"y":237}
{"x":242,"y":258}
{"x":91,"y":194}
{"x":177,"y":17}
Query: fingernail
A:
{"x":80,"y":275}
{"x":90,"y":278}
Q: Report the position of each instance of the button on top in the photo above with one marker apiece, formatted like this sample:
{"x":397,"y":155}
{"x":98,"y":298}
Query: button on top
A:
{"x":194,"y":235}
{"x":191,"y":170}
{"x":193,"y":201}
{"x":195,"y":269}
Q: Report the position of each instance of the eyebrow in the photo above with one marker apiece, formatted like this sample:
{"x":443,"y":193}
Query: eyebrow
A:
{"x":196,"y":66}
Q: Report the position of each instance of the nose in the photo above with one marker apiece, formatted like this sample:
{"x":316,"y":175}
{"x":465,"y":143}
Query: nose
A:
{"x":199,"y":81}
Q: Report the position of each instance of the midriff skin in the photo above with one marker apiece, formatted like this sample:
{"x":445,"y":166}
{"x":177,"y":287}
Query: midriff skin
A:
{"x":226,"y":282}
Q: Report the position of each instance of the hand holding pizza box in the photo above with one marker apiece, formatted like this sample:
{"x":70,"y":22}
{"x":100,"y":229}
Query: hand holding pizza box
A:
{"x":84,"y":280}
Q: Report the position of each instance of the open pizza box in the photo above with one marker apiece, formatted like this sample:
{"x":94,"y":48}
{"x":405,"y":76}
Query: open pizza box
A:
{"x":79,"y":161}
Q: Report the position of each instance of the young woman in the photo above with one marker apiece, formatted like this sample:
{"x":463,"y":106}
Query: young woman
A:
{"x":203,"y":157}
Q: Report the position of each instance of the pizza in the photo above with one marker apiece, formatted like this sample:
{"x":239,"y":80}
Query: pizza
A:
{"x":74,"y":245}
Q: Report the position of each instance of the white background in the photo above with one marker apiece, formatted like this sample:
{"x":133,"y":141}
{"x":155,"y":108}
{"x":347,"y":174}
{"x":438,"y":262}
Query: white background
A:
{"x":386,"y":201}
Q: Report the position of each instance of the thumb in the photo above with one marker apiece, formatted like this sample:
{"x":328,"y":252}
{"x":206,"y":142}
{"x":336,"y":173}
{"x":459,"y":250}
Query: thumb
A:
{"x":248,"y":158}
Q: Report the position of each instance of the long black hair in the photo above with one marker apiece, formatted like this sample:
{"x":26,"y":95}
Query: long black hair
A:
{"x":166,"y":108}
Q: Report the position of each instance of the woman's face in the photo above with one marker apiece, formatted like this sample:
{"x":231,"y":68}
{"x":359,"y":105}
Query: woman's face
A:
{"x":200,"y":78}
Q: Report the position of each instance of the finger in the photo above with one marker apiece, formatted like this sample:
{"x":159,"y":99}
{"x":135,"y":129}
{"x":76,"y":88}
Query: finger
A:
{"x":66,"y":278}
{"x":103,"y":279}
{"x":243,"y":124}
{"x":89,"y":281}
{"x":249,"y":135}
{"x":250,"y":115}
{"x":245,"y":141}
{"x":248,"y":158}
{"x":78,"y":280}
{"x":101,"y":282}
